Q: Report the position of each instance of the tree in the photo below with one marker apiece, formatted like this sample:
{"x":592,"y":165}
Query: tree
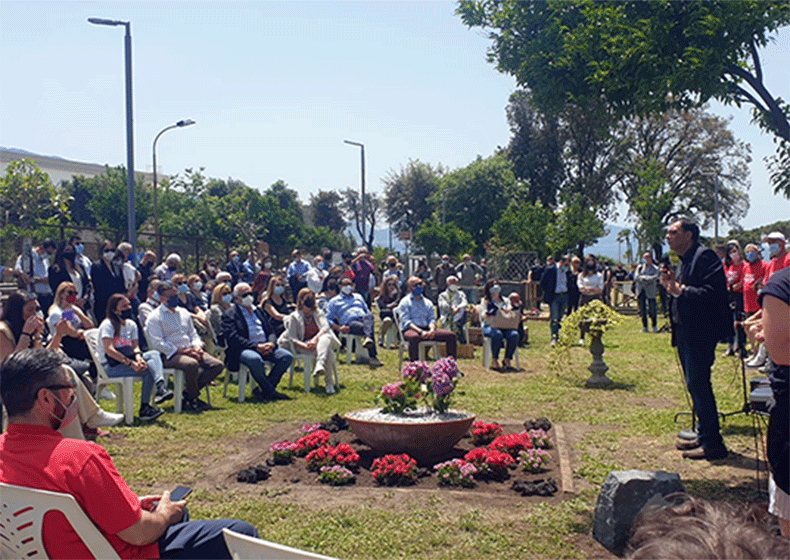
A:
{"x":407,"y":192}
{"x":640,"y":56}
{"x":325,"y":211}
{"x":575,"y":227}
{"x":29,"y":199}
{"x":624,"y":235}
{"x":449,"y":239}
{"x":351,"y":205}
{"x":475,"y":196}
{"x":523,"y":227}
{"x":535,"y":149}
{"x":682,"y":163}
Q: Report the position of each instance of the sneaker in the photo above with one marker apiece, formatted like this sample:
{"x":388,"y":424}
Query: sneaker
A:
{"x":375,"y":362}
{"x":330,"y":389}
{"x":644,"y":329}
{"x":277,"y":396}
{"x":655,"y":330}
{"x":148,"y":413}
{"x":200,"y":405}
{"x":318,"y":372}
{"x":553,"y":342}
{"x":104,"y":419}
{"x":710,"y":454}
{"x":581,"y":342}
{"x":162,"y":395}
{"x":106,"y":395}
{"x":369,"y":344}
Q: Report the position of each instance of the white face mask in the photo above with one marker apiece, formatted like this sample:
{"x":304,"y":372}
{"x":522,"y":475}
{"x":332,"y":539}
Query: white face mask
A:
{"x":267,"y":265}
{"x":348,"y":290}
{"x":453,"y":288}
{"x":197,"y":286}
{"x":227,"y":298}
{"x":69,"y":415}
{"x":108,"y":255}
{"x":248,"y":300}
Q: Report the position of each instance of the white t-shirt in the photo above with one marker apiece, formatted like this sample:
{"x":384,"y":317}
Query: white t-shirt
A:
{"x":56,"y":314}
{"x":127,"y":334}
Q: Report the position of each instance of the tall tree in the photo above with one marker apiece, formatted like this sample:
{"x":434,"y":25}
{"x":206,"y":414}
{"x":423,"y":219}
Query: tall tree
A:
{"x":435,"y":238}
{"x":407,"y":192}
{"x":352,"y":208}
{"x":576,"y":226}
{"x":641,"y":56}
{"x":29,"y":198}
{"x":325,"y":211}
{"x":523,"y":227}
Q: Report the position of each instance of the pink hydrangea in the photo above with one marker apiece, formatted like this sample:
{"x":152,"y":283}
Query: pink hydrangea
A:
{"x":419,"y":371}
{"x":441,"y":384}
{"x":392,"y":390}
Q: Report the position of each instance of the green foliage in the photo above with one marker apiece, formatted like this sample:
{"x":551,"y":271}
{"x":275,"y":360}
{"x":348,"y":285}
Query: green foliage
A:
{"x":597,"y":317}
{"x":473,"y":197}
{"x":523,"y":227}
{"x":756,"y":235}
{"x":351,"y":204}
{"x":406,"y":193}
{"x":576,"y":226}
{"x":29,"y":199}
{"x":449,"y":239}
{"x":779,"y":167}
{"x":325,"y":211}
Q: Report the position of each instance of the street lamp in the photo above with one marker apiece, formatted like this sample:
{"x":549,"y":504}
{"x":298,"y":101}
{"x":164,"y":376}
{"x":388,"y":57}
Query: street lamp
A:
{"x":362,"y":154}
{"x":132,"y":230}
{"x":179,"y":124}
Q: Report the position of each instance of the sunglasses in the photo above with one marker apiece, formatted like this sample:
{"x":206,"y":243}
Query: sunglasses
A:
{"x":71,"y":293}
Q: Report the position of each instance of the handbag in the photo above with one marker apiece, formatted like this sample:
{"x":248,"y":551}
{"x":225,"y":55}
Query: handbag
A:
{"x":127,"y":351}
{"x":504,"y":319}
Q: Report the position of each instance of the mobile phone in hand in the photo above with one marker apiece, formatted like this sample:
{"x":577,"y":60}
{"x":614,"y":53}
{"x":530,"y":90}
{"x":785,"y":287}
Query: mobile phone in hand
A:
{"x":180,"y":493}
{"x":68,"y":314}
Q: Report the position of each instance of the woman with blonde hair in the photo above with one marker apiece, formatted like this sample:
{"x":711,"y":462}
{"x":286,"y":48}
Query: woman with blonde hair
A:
{"x":307,"y":332}
{"x":274,"y":303}
{"x":221,"y":299}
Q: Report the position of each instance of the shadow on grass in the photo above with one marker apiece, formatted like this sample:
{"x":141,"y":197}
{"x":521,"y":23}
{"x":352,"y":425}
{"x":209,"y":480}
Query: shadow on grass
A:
{"x":719,"y":490}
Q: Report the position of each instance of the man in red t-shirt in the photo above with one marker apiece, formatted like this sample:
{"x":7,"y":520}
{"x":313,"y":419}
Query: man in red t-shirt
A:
{"x":780,"y":258}
{"x":40,"y":399}
{"x":753,"y":278}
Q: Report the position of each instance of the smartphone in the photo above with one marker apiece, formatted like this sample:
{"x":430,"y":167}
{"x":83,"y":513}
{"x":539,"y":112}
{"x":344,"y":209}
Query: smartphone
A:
{"x":68,"y":314}
{"x":180,"y":493}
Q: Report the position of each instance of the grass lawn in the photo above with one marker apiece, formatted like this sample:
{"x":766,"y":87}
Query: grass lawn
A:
{"x":628,"y":426}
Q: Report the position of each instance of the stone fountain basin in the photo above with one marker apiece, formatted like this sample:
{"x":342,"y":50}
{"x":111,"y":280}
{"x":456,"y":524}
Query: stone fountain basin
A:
{"x":423,"y":435}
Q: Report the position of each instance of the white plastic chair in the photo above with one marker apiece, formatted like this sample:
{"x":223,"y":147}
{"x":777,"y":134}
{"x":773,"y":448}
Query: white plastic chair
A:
{"x":487,"y":353}
{"x":244,"y":376}
{"x":403,"y":345}
{"x":354,"y":342}
{"x":178,"y":382}
{"x":243,"y":547}
{"x":22,"y":513}
{"x":308,"y":362}
{"x":124,"y":385}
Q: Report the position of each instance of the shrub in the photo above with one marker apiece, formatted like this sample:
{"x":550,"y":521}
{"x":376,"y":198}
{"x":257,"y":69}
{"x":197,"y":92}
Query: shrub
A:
{"x":313,"y":440}
{"x":395,"y":470}
{"x":456,"y":473}
{"x":540,"y":439}
{"x":336,"y":476}
{"x":283,"y":452}
{"x":483,"y":433}
{"x":533,"y":460}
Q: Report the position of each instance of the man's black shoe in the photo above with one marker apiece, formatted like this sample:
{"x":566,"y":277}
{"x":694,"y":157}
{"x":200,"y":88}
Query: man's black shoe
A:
{"x":710,"y":454}
{"x":375,"y":362}
{"x":148,"y":413}
{"x":200,"y":405}
{"x":277,"y":396}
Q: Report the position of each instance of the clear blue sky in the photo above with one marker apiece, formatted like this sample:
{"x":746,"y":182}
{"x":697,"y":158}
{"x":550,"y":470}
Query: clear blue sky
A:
{"x":275,"y":88}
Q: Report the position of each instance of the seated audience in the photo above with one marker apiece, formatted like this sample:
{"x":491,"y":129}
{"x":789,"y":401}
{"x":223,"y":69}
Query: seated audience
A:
{"x":452,"y":308}
{"x":146,"y":269}
{"x":221,"y":299}
{"x":250,"y":340}
{"x":196,"y":293}
{"x":418,"y":321}
{"x":188,"y":301}
{"x":22,"y":327}
{"x":170,"y":330}
{"x":169,"y":268}
{"x":316,"y":275}
{"x":331,"y":289}
{"x":66,"y":268}
{"x":119,"y":350}
{"x":347,"y":312}
{"x":297,"y":273}
{"x":263,"y":277}
{"x":274,"y":304}
{"x":387,"y":300}
{"x":307,"y":332}
{"x":424,"y":273}
{"x":107,"y":277}
{"x":500,"y":324}
{"x":151,"y":302}
{"x":393,"y":270}
{"x":40,"y":399}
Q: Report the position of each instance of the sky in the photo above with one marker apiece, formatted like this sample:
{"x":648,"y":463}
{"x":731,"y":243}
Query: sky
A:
{"x":276,"y":87}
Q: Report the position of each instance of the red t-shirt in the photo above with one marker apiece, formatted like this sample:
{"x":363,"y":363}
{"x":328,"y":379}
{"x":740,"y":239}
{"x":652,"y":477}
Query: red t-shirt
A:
{"x":776,"y":265}
{"x":735,"y":275}
{"x":38,"y":457}
{"x":752,"y":272}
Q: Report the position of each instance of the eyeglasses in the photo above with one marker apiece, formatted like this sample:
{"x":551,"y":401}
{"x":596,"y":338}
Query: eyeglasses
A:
{"x":71,"y":386}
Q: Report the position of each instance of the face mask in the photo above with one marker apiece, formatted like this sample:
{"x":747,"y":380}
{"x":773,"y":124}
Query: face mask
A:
{"x":227,"y":298}
{"x":126,"y":314}
{"x":564,"y":268}
{"x":773,"y":249}
{"x":172,"y":267}
{"x":40,"y":314}
{"x":72,"y":299}
{"x":172,"y":301}
{"x":309,"y":303}
{"x":130,"y":257}
{"x":108,"y":255}
{"x":183,"y":288}
{"x":735,"y":256}
{"x":236,"y":259}
{"x":279,"y":290}
{"x":444,"y":261}
{"x":496,"y":289}
{"x":348,"y":290}
{"x":248,"y":300}
{"x":267,"y":265}
{"x":80,"y":248}
{"x":197,"y":286}
{"x":155,"y":296}
{"x":418,"y":290}
{"x":69,"y":415}
{"x":69,"y":256}
{"x":453,"y":288}
{"x":751,"y":256}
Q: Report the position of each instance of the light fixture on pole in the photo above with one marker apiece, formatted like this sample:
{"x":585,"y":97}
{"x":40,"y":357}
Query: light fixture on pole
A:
{"x":131,"y":221}
{"x":179,"y":124}
{"x":362,"y":154}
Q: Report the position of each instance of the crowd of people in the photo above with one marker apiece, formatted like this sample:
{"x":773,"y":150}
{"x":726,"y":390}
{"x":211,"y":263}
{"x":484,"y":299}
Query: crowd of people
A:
{"x":248,"y":312}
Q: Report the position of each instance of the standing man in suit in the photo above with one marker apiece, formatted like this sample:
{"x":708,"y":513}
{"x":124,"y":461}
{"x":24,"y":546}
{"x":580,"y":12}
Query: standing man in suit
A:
{"x":700,"y":317}
{"x":554,"y":283}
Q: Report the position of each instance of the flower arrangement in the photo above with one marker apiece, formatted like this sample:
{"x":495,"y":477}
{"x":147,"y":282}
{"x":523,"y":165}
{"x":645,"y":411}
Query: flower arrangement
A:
{"x":484,"y":433}
{"x":327,"y":456}
{"x":395,"y":470}
{"x":336,"y":475}
{"x":313,"y":440}
{"x":490,"y":463}
{"x":512,"y":444}
{"x":310,"y":428}
{"x":456,"y":472}
{"x":433,"y":385}
{"x":533,"y":460}
{"x":540,"y":439}
{"x":283,"y":452}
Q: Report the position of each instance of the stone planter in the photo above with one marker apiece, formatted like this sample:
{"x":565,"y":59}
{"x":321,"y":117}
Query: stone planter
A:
{"x":425,"y":436}
{"x":598,"y":367}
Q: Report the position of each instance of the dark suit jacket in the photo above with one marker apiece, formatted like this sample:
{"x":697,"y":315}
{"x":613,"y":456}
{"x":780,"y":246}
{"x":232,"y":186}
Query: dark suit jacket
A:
{"x":548,"y":283}
{"x":703,"y":307}
{"x":234,"y":328}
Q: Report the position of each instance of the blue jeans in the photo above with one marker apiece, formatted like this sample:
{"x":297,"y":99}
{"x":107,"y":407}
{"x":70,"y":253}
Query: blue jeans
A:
{"x":557,"y":311}
{"x":647,"y":307}
{"x":268,"y":383}
{"x":201,"y":539}
{"x":498,"y":336}
{"x":697,"y":361}
{"x":153,"y":375}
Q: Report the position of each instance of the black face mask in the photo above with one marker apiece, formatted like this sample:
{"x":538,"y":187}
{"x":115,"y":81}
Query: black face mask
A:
{"x":393,"y":265}
{"x":69,"y":256}
{"x":348,"y":261}
{"x":126,"y":314}
{"x":590,"y":267}
{"x":309,"y":303}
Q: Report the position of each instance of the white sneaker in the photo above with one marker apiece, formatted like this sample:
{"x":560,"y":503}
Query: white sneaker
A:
{"x":103,"y":419}
{"x":759,"y":358}
{"x":318,"y":372}
{"x":106,"y":395}
{"x":581,"y":342}
{"x":330,"y":389}
{"x":553,"y":342}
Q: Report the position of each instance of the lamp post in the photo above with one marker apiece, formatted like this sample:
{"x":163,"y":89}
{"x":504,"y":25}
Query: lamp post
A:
{"x":179,"y":124}
{"x":131,"y":229}
{"x":362,"y":154}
